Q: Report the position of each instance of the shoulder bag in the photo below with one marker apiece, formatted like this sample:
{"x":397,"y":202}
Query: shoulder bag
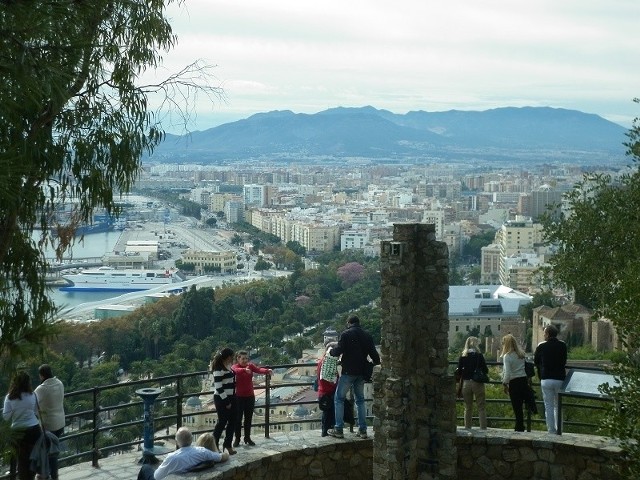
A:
{"x":529,"y":369}
{"x":478,"y":374}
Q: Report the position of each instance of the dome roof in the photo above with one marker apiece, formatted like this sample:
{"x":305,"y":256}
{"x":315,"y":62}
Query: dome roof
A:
{"x":193,"y":402}
{"x":301,"y":411}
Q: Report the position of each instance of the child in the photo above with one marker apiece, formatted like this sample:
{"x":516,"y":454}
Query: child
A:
{"x":327,"y":382}
{"x":245,"y":397}
{"x":224,"y":397}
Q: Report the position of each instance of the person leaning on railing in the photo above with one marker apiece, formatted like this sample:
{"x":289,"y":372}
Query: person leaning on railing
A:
{"x":245,"y":396}
{"x":550,"y":358}
{"x":50,"y":395}
{"x":224,"y":397}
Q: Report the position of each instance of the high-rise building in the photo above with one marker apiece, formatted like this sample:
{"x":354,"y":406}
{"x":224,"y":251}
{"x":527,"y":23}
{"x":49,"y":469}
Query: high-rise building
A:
{"x":515,"y":238}
{"x":543,"y":199}
{"x":255,"y":195}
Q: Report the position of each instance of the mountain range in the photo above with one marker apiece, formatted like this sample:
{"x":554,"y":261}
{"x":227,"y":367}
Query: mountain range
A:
{"x":539,"y":134}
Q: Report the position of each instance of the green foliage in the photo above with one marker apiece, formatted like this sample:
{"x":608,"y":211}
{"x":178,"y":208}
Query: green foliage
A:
{"x":586,"y":352}
{"x":262,"y":264}
{"x":473,"y":248}
{"x":296,"y":248}
{"x":211,"y":221}
{"x":455,"y":276}
{"x":259,"y":237}
{"x":597,"y":249}
{"x":195,"y":315}
{"x":283,"y":257}
{"x":526,"y":312}
{"x":186,"y":266}
{"x":75,"y":124}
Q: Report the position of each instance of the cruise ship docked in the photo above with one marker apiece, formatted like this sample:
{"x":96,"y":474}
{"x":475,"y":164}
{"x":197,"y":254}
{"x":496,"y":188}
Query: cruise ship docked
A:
{"x":105,"y":279}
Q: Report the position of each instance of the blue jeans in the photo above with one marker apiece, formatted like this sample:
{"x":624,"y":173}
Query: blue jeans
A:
{"x":345,"y":382}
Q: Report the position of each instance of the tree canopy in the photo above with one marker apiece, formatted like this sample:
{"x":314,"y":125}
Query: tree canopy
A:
{"x":598,"y":243}
{"x":75,"y":123}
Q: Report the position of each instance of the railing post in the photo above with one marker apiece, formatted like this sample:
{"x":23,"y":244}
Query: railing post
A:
{"x":95,"y":454}
{"x":267,"y":405}
{"x":179,"y":394}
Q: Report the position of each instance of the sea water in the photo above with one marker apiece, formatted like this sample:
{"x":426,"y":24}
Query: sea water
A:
{"x":94,"y":245}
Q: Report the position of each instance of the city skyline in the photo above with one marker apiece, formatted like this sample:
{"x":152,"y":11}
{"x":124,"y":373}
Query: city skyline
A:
{"x":307,"y":57}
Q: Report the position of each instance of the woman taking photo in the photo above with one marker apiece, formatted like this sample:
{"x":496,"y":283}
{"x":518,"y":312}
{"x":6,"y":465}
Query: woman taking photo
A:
{"x":224,"y":397}
{"x":514,"y":378}
{"x":20,"y":409}
{"x":470,"y":361}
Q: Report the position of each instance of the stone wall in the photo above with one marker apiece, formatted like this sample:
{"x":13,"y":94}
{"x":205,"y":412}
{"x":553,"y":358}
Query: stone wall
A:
{"x":300,"y":458}
{"x":414,"y":400}
{"x":499,"y":454}
{"x":493,"y":453}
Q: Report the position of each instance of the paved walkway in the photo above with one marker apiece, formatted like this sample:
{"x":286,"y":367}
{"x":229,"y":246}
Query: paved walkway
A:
{"x":126,"y":466}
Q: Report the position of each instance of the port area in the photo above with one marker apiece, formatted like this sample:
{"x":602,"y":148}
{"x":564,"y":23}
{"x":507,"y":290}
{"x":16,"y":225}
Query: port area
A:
{"x":87,"y":311}
{"x":173,"y":238}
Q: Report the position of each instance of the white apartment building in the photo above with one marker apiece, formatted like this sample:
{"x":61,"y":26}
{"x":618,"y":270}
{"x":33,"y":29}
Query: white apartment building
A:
{"x":315,"y":237}
{"x":234,"y":211}
{"x":261,"y":218}
{"x":522,"y":270}
{"x":255,"y":195}
{"x":354,"y":239}
{"x":435,"y":217}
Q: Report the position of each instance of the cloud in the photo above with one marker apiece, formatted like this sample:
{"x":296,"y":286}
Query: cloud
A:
{"x":414,"y":54}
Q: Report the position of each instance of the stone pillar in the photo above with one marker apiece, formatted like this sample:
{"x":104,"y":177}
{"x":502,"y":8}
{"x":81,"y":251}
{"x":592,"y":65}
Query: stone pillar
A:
{"x":414,"y":400}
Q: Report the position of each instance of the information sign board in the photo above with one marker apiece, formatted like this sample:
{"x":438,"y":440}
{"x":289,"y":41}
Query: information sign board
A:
{"x":585,"y":384}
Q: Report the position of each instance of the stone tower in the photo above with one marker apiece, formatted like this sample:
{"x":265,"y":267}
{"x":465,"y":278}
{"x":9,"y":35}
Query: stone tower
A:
{"x":414,"y":401}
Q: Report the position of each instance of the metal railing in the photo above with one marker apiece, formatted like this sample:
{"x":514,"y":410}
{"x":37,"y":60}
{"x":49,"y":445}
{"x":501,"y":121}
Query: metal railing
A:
{"x":102,"y":433}
{"x":507,"y":421}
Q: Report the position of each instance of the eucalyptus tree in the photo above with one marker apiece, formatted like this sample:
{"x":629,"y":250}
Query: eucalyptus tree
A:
{"x":74,"y":124}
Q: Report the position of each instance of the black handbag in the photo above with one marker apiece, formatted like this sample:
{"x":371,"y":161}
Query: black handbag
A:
{"x":529,"y":369}
{"x":325,"y":402}
{"x":478,"y":374}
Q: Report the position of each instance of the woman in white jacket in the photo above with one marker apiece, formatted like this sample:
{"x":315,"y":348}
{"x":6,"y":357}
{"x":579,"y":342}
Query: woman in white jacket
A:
{"x":20,"y":409}
{"x":50,"y":395}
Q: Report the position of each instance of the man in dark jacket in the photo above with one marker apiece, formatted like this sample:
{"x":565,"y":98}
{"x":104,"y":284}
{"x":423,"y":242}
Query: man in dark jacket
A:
{"x":355,"y":345}
{"x":551,"y":360}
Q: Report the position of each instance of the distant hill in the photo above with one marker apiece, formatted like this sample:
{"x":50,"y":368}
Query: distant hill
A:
{"x":528,"y":133}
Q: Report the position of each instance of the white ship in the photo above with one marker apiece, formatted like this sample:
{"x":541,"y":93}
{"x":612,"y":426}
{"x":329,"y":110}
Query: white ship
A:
{"x":105,"y":279}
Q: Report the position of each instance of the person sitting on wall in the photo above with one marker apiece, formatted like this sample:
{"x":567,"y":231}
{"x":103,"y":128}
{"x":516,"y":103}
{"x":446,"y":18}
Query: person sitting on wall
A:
{"x":186,"y":458}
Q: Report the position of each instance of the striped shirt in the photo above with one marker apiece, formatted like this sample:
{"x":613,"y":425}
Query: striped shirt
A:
{"x":224,"y":385}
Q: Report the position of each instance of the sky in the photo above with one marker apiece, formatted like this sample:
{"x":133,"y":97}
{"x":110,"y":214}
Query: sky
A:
{"x":407,"y":55}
